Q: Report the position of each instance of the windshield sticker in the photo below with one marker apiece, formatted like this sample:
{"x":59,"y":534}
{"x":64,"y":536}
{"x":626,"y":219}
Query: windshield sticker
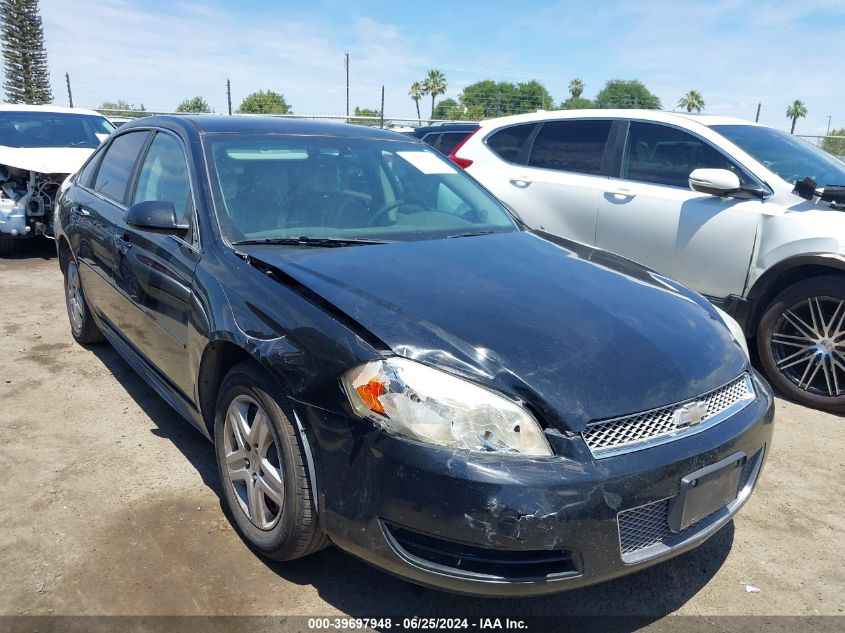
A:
{"x":427,"y":162}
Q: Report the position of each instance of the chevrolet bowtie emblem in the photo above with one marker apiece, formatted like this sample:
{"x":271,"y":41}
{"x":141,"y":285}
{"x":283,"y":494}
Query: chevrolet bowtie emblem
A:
{"x":691,"y":414}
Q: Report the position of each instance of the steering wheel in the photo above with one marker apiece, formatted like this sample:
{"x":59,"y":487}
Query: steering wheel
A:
{"x":387,"y":208}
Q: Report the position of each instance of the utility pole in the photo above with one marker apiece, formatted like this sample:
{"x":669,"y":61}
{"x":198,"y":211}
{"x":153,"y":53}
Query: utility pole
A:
{"x":828,"y":126}
{"x":757,"y":118}
{"x":346,"y":65}
{"x":70,"y":94}
{"x":381,"y":123}
{"x":498,"y":102}
{"x":229,"y":95}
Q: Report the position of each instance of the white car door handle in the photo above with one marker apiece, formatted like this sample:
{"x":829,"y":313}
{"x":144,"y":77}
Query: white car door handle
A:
{"x":621,"y":194}
{"x":522,"y":183}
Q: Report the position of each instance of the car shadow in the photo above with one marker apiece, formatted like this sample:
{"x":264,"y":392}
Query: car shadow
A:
{"x":35,"y":248}
{"x":169,"y":424}
{"x":359,"y":590}
{"x":363,"y":591}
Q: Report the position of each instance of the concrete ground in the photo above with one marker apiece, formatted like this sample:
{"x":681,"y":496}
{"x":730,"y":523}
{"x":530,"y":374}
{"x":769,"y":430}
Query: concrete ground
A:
{"x":110,"y":505}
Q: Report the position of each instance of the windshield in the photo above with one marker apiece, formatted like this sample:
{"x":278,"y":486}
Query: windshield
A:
{"x":278,"y":186}
{"x":790,"y":157}
{"x":52,"y":129}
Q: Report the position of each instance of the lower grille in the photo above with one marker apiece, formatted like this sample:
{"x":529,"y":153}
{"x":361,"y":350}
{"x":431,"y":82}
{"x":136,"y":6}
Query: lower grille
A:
{"x":471,"y":560}
{"x":648,"y":525}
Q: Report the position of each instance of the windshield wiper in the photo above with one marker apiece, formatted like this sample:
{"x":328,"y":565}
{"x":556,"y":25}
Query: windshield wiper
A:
{"x":325,"y":242}
{"x":472,"y":234}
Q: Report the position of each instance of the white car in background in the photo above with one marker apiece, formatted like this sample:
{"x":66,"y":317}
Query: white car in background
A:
{"x":745,"y":214}
{"x":40,"y":146}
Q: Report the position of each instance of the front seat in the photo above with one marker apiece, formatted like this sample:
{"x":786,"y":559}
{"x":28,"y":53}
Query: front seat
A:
{"x":261,"y":190}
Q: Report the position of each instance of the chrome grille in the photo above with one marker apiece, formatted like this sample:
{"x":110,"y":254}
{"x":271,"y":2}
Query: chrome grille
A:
{"x":648,"y":525}
{"x":640,"y":429}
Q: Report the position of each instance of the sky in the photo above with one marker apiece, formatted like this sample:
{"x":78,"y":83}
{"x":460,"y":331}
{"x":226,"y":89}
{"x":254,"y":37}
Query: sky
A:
{"x":736,"y":53}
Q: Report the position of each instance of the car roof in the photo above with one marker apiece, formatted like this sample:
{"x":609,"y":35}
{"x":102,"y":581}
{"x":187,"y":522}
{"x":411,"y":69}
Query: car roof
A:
{"x":22,"y":107}
{"x":256,"y":124}
{"x":648,"y":115}
{"x":445,"y":127}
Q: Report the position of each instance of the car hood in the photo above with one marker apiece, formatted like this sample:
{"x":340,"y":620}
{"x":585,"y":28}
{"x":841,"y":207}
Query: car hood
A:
{"x":576,"y":332}
{"x":45,"y":160}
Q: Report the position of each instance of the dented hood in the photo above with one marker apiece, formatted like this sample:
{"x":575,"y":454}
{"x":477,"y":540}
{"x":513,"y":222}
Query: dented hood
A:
{"x":45,"y":160}
{"x":578,"y":333}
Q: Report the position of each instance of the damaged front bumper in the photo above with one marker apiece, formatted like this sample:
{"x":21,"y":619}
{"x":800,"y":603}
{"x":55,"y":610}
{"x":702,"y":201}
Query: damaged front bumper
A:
{"x":508,"y":526}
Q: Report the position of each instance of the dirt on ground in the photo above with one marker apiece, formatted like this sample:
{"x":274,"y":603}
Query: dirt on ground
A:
{"x":110,"y":504}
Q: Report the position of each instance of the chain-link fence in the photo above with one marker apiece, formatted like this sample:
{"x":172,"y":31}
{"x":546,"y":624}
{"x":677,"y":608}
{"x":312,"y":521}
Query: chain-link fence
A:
{"x":832,"y":144}
{"x":387,"y":122}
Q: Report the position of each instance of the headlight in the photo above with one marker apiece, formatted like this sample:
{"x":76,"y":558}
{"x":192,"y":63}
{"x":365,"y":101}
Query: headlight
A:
{"x":736,"y":331}
{"x":410,"y":399}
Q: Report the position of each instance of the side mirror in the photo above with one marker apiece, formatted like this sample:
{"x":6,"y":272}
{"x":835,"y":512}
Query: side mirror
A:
{"x":156,"y":216}
{"x":716,"y":182}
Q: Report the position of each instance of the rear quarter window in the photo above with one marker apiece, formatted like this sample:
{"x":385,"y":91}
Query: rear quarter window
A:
{"x":508,"y":142}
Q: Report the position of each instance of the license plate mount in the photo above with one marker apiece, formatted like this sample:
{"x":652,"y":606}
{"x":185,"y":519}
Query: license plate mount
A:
{"x":705,"y":491}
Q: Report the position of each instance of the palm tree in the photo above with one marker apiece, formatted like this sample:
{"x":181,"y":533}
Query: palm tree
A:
{"x":796,"y":111}
{"x":692,"y":101}
{"x":576,"y":87}
{"x":434,"y":84}
{"x":416,"y":93}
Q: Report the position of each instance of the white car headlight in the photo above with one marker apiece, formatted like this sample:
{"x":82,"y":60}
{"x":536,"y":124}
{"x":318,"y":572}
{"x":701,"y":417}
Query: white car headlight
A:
{"x":414,"y":400}
{"x":736,"y":331}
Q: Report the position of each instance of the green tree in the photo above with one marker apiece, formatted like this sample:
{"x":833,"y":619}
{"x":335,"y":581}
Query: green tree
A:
{"x":465,"y":113}
{"x":265,"y":102}
{"x":434,"y":84}
{"x":796,"y":111}
{"x":576,"y":88}
{"x":121,"y":108}
{"x":692,"y":101}
{"x":576,"y":103}
{"x":444,"y":106}
{"x":502,"y":98}
{"x":24,"y":56}
{"x":835,"y":146}
{"x":416,"y":93}
{"x":618,"y":93}
{"x":368,"y":112}
{"x":195,"y":105}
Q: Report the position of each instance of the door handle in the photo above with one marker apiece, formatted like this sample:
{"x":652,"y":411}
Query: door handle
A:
{"x":621,"y":193}
{"x":522,"y":183}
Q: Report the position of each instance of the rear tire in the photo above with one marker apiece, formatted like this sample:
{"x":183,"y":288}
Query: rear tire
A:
{"x":82,"y":325}
{"x":801,"y":341}
{"x":262,"y":467}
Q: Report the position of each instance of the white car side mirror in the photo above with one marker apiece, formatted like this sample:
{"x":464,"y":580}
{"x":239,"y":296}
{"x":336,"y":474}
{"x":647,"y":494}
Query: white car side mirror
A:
{"x":716,"y":182}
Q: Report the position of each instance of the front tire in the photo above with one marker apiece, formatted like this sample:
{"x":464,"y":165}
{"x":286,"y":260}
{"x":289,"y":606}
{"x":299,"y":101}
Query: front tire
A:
{"x":261,"y":463}
{"x":82,"y":325}
{"x":801,"y":341}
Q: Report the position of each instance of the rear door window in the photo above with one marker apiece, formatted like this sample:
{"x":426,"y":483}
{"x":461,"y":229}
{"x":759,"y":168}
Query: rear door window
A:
{"x":508,"y":142}
{"x":573,"y":145}
{"x":116,"y":166}
{"x":665,"y":155}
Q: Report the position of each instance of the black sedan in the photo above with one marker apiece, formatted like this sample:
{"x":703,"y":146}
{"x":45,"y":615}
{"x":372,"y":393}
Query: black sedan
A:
{"x":384,"y":359}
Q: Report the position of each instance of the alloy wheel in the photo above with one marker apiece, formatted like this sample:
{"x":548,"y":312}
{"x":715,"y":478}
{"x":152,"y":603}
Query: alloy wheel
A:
{"x":75,"y":300}
{"x":808,"y":344}
{"x":253,"y":466}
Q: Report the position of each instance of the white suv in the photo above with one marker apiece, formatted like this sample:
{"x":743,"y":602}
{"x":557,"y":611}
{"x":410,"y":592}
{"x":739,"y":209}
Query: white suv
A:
{"x":747,"y":215}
